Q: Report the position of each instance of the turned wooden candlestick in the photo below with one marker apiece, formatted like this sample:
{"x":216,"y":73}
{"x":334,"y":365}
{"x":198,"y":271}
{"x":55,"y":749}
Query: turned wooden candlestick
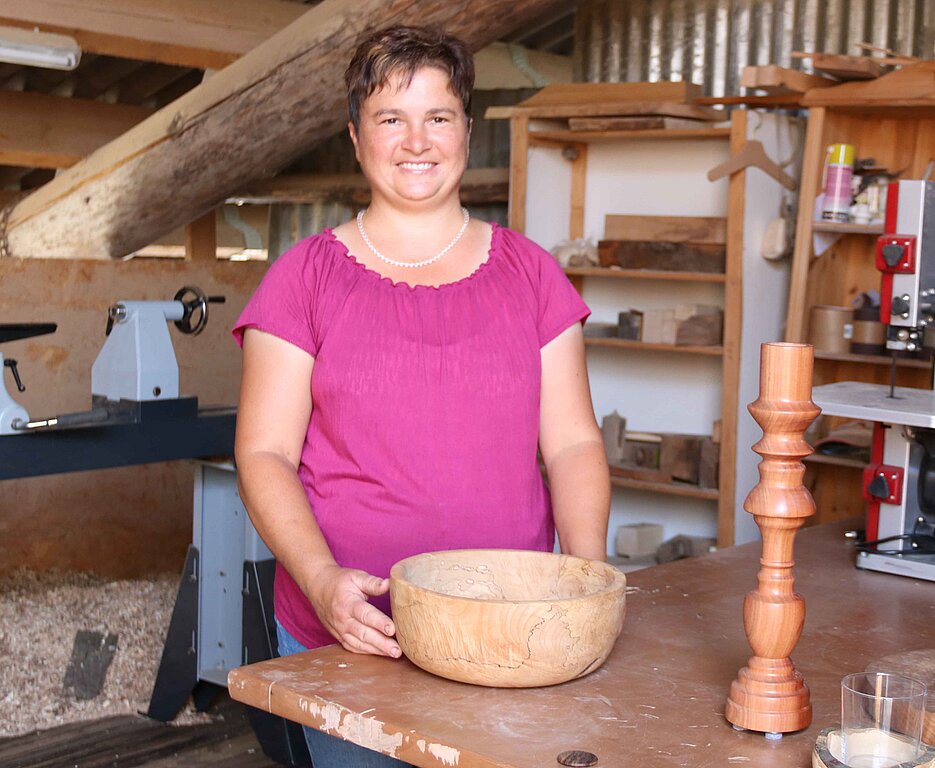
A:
{"x":769,"y":695}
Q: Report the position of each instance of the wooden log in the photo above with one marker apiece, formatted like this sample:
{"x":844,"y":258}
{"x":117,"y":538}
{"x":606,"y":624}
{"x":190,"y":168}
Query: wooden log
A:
{"x":243,"y":123}
{"x":671,"y":229}
{"x":769,"y":694}
{"x":480,"y":186}
{"x":680,"y":257}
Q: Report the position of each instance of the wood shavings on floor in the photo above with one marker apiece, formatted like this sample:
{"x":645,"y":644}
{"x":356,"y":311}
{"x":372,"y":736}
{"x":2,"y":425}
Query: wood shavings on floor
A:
{"x":39,"y":617}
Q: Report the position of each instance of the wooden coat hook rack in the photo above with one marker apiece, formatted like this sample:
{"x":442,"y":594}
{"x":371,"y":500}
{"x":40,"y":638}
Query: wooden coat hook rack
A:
{"x":753,"y":153}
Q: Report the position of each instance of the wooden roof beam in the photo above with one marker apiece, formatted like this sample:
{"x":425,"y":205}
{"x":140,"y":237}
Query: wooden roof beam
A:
{"x":203,"y":34}
{"x":245,"y":122}
{"x":43,"y":131}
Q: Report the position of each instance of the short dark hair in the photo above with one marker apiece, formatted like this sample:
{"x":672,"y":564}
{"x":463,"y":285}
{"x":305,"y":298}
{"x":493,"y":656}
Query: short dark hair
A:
{"x":404,"y":50}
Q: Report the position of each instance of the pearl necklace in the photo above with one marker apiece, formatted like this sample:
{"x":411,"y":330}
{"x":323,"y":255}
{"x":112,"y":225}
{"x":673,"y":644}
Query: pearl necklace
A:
{"x":411,"y":264}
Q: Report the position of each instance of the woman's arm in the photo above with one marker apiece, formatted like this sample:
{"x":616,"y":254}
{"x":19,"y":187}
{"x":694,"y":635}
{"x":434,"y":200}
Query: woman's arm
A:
{"x":272,"y":419}
{"x":573,"y":449}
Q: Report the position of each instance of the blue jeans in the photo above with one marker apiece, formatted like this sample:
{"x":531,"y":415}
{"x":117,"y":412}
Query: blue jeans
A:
{"x":329,"y":751}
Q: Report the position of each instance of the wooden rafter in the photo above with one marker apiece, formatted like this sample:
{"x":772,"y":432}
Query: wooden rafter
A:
{"x":245,"y":122}
{"x":202,"y":34}
{"x":43,"y":131}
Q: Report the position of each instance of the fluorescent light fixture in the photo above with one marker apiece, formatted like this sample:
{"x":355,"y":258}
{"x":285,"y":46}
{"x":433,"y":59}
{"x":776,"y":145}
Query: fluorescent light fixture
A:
{"x":33,"y":48}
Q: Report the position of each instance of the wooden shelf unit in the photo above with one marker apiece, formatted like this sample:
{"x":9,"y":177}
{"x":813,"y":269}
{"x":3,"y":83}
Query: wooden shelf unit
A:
{"x":575,"y":150}
{"x":898,"y":138}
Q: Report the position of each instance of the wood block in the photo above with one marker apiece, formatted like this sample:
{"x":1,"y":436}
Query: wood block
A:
{"x":630,"y":325}
{"x":671,"y":229}
{"x":638,"y":539}
{"x":775,"y":79}
{"x":600,"y":330}
{"x":680,"y":456}
{"x":682,"y":546}
{"x":708,"y":465}
{"x":90,"y":659}
{"x":613,"y":429}
{"x":700,"y":330}
{"x":649,"y":123}
{"x":678,"y":257}
{"x":659,"y":326}
{"x":641,"y":450}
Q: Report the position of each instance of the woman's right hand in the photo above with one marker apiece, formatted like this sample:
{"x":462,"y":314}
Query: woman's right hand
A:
{"x":339,"y":597}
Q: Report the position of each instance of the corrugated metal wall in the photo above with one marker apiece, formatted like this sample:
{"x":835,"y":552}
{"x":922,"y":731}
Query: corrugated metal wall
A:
{"x":710,"y":41}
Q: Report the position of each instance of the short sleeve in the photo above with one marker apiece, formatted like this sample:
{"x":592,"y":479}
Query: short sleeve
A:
{"x":560,"y":304}
{"x":283,"y":303}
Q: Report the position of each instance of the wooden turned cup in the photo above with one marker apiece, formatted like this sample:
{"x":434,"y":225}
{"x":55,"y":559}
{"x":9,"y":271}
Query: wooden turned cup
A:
{"x":506,"y":618}
{"x":769,"y":694}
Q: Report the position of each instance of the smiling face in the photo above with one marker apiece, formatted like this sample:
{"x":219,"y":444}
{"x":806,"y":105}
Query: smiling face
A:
{"x":412,"y":143}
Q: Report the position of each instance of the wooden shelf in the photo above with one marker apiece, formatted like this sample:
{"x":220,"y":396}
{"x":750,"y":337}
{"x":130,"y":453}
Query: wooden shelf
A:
{"x":844,"y":357}
{"x":588,"y":137}
{"x":847,"y":229}
{"x":835,"y":461}
{"x":647,"y":274}
{"x":597,"y":341}
{"x":674,"y":489}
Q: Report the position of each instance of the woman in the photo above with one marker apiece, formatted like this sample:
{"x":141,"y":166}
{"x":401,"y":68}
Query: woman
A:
{"x":400,"y":372}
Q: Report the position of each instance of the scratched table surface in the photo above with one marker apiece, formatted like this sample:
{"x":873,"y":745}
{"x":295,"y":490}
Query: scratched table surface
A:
{"x":659,"y":698}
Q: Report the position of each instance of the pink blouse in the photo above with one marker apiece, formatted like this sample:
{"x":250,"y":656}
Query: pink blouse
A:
{"x":425,"y":404}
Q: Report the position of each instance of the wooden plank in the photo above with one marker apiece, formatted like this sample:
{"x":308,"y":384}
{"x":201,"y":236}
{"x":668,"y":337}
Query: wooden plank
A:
{"x":259,"y":113}
{"x":479,"y":186}
{"x":44,"y":131}
{"x":519,"y":157}
{"x":911,"y":86}
{"x":665,"y":134}
{"x":672,"y":229}
{"x":733,"y":319}
{"x":656,"y":122}
{"x":583,"y":94}
{"x":201,"y":238}
{"x":208,"y":34}
{"x":776,"y":79}
{"x":643,"y":254}
{"x":642,"y":345}
{"x":645,"y":274}
{"x":579,"y":168}
{"x":842,"y":66}
{"x":673,"y":489}
{"x":802,"y":250}
{"x":610,"y":109}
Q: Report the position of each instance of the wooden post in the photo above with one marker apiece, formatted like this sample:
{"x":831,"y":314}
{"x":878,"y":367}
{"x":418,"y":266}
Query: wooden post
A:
{"x":769,"y":695}
{"x":201,"y":240}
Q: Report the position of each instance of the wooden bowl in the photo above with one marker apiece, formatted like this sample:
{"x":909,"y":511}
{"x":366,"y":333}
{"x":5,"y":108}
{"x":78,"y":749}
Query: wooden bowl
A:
{"x":506,"y":618}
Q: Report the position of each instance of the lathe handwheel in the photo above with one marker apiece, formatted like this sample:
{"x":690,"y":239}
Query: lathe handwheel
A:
{"x":198,"y":304}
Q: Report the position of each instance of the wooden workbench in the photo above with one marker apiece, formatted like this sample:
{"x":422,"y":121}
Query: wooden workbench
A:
{"x":659,"y":699}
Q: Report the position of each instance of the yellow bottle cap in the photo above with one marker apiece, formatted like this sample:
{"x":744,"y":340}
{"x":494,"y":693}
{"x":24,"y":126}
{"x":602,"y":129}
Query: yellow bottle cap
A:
{"x":841,"y":154}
